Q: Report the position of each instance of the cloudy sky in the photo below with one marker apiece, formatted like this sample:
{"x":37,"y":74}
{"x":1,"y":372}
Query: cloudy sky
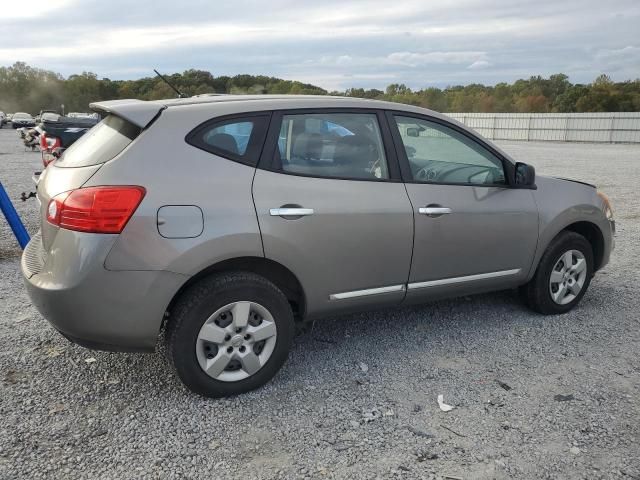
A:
{"x":332,"y":43}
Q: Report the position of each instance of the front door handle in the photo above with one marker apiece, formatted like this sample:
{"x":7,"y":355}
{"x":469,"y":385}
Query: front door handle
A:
{"x":291,"y":212}
{"x":434,"y":211}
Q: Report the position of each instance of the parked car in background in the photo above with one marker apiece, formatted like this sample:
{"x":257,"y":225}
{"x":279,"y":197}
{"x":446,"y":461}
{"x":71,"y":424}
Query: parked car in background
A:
{"x":3,"y":119}
{"x":21,"y":119}
{"x":49,"y":117}
{"x":59,"y":133}
{"x":83,"y":115}
{"x":239,"y":218}
{"x":38,"y":117}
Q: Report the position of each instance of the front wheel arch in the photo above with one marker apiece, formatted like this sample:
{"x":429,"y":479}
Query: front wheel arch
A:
{"x":589,"y":230}
{"x":594,"y":236}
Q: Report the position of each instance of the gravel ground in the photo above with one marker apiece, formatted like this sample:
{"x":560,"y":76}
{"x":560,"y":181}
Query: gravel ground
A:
{"x":534,"y":396}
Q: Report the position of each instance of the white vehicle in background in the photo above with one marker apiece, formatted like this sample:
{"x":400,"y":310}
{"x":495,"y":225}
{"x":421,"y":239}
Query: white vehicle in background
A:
{"x":82,"y":115}
{"x":50,"y":117}
{"x":3,"y":119}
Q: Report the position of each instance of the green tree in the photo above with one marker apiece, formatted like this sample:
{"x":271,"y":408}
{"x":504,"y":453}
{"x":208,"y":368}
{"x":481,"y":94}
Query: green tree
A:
{"x":24,"y":88}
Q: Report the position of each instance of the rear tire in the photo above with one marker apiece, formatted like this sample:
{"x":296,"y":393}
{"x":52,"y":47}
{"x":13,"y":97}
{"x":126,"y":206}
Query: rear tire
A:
{"x":563,"y":275}
{"x":237,"y":326}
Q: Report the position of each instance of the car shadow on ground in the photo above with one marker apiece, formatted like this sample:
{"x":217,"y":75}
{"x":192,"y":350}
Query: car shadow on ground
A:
{"x":445,"y":327}
{"x":331,"y":338}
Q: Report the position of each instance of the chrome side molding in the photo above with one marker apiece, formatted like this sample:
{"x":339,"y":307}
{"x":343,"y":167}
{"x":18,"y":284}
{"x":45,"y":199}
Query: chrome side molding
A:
{"x":416,"y":285}
{"x":367,"y":292}
{"x":468,"y":278}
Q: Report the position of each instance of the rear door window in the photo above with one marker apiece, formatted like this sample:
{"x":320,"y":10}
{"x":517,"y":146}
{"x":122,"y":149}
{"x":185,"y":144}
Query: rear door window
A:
{"x":339,"y":145}
{"x":100,"y":144}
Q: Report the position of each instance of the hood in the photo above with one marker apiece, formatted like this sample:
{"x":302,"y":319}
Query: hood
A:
{"x":574,"y":181}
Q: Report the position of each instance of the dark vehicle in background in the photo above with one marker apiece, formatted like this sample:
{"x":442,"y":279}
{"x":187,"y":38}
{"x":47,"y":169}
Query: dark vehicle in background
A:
{"x":58,"y":133}
{"x":21,"y":119}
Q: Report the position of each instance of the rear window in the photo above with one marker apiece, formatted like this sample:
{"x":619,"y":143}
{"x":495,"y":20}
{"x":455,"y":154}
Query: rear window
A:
{"x":100,"y":144}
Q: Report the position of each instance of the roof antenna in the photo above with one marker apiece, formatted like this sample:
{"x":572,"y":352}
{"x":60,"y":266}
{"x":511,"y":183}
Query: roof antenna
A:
{"x":180,"y":94}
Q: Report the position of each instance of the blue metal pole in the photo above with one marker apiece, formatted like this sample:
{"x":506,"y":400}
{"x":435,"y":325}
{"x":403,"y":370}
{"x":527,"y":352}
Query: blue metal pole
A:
{"x":13,"y":219}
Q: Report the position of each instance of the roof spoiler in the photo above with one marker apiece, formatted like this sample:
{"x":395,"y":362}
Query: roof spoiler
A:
{"x":138,"y":112}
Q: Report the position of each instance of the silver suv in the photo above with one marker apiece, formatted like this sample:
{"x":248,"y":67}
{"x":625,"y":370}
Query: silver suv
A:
{"x":235,"y":220}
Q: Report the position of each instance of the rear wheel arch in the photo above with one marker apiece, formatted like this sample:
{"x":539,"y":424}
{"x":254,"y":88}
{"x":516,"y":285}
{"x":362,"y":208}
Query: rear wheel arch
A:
{"x":278,"y":274}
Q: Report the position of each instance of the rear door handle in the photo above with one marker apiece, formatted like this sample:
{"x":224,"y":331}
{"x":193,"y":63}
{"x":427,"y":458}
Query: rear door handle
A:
{"x":434,"y":211}
{"x":290,"y":212}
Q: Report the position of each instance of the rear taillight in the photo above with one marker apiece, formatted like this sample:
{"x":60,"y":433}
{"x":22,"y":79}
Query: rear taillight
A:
{"x":47,"y":145}
{"x":95,"y":209}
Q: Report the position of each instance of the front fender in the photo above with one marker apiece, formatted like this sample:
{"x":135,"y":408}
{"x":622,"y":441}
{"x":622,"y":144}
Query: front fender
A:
{"x":563,"y":203}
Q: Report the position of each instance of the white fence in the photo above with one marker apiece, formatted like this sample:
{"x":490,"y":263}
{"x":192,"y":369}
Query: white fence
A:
{"x":560,"y":127}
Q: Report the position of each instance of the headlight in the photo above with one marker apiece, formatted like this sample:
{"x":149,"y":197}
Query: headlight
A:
{"x":606,"y":206}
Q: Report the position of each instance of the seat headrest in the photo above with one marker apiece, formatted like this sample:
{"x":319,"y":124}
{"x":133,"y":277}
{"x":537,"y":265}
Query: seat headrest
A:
{"x":307,"y":146}
{"x":355,"y":149}
{"x":223,"y":141}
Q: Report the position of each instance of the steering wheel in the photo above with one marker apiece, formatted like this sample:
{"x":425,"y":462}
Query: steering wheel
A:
{"x":426,"y":174}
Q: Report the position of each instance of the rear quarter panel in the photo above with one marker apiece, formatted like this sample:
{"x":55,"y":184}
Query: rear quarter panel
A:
{"x":176,"y":173}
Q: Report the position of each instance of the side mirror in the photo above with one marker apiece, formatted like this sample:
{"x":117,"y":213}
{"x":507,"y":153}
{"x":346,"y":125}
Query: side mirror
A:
{"x":413,"y":132}
{"x":525,"y":175}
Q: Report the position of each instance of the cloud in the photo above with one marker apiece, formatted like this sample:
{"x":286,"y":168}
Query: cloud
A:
{"x":12,"y":10}
{"x":479,"y":65}
{"x":619,"y":61}
{"x":626,"y":53}
{"x":413,"y":59}
{"x":333,"y":43}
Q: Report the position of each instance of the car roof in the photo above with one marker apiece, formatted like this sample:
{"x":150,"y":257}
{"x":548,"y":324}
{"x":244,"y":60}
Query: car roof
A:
{"x":275,"y":102}
{"x":141,"y":113}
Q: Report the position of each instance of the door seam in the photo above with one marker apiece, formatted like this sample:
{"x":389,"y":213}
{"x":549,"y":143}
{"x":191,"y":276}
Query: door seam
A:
{"x":255,"y":209}
{"x":413,"y":241}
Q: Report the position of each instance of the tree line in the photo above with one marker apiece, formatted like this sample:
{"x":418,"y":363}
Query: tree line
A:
{"x":29,"y":89}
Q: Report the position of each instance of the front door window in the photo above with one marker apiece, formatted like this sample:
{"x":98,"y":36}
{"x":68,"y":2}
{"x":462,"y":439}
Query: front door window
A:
{"x":440,"y":154}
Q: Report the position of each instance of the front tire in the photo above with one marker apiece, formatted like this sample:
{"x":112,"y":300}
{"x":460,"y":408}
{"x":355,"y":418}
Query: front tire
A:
{"x":563,"y":275}
{"x":229,"y":334}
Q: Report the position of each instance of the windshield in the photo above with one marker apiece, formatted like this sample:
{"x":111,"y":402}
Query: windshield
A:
{"x":100,"y":144}
{"x":18,"y":116}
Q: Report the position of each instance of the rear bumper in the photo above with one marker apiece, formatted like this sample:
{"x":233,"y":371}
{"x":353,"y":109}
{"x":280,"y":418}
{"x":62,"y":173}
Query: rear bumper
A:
{"x":92,"y":306}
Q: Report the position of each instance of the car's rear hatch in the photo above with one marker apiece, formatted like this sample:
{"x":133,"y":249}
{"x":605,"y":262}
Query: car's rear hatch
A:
{"x":124,"y":122}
